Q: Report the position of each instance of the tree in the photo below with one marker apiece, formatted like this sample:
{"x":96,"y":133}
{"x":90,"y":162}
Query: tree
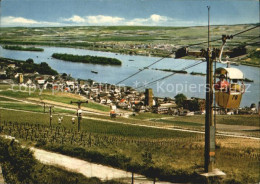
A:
{"x":238,"y":51}
{"x":29,"y":61}
{"x":44,"y":68}
{"x":194,"y":106}
{"x":181,"y":52}
{"x":179,"y":98}
{"x":147,"y":158}
{"x":28,"y":68}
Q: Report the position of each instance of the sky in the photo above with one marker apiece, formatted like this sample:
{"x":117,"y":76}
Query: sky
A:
{"x":37,"y":13}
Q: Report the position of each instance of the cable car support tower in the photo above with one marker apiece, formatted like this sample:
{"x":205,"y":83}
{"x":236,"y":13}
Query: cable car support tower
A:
{"x":210,"y":126}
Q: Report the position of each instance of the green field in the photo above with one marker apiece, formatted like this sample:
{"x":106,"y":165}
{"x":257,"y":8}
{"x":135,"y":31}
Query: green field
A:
{"x":32,"y":107}
{"x":49,"y":95}
{"x":136,"y":34}
{"x":6,"y":99}
{"x":198,"y":120}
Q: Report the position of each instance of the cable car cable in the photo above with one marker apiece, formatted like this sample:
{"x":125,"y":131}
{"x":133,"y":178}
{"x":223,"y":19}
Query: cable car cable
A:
{"x":245,"y":30}
{"x":144,"y":68}
{"x":185,"y":46}
{"x":167,"y":76}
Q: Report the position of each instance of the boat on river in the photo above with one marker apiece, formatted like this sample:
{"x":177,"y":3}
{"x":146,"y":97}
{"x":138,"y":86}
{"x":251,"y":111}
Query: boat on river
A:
{"x":94,"y":72}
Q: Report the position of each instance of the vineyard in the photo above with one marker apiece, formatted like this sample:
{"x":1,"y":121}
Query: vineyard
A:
{"x":172,"y":156}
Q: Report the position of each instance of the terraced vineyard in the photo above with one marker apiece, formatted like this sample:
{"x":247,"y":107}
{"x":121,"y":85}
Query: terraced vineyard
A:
{"x":164,"y":154}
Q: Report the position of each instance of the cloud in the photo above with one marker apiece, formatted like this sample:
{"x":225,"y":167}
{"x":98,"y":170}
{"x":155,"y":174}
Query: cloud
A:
{"x":17,"y":21}
{"x":154,"y":19}
{"x":99,"y":20}
{"x":11,"y":21}
{"x":95,"y":20}
{"x":158,"y":18}
{"x":75,"y":18}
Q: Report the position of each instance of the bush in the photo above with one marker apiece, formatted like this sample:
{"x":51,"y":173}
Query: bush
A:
{"x":119,"y":161}
{"x":179,"y":98}
{"x":16,"y":47}
{"x":20,"y":167}
{"x":17,"y":163}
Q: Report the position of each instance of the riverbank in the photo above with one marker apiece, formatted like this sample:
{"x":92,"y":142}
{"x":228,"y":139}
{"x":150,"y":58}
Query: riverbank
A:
{"x":132,"y":40}
{"x":89,"y":46}
{"x":164,"y":54}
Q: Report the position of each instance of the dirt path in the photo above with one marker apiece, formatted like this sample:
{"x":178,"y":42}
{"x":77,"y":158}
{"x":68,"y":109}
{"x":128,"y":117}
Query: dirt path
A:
{"x":88,"y":169}
{"x":1,"y":176}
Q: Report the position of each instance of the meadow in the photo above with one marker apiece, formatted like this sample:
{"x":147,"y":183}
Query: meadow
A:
{"x":55,"y":96}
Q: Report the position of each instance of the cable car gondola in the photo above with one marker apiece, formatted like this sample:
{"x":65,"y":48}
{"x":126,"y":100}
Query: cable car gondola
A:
{"x":230,"y":88}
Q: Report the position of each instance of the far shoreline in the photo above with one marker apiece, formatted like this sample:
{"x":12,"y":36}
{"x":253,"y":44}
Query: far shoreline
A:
{"x":110,"y":51}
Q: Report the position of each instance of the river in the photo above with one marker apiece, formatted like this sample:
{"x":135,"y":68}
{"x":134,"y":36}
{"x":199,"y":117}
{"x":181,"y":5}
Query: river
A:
{"x":190,"y":85}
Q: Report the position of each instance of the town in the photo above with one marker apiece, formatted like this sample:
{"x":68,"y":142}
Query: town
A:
{"x":121,"y":97}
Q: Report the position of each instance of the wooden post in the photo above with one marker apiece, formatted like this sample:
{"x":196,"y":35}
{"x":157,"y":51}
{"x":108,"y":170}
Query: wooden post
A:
{"x":79,"y":115}
{"x":51,"y":115}
{"x":132,"y":178}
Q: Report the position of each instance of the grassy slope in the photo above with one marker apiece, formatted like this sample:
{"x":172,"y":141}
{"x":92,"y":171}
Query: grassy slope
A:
{"x":93,"y":126}
{"x":48,"y":95}
{"x":170,"y":149}
{"x":31,"y":107}
{"x":198,"y":120}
